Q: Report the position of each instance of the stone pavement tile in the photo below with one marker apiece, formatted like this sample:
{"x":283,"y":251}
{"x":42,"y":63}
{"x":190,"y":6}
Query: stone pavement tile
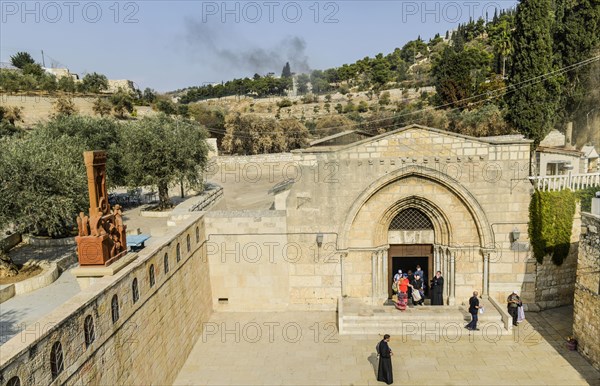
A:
{"x":351,"y":359}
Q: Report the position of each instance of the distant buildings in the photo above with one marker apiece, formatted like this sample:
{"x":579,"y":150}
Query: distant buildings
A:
{"x":556,"y":156}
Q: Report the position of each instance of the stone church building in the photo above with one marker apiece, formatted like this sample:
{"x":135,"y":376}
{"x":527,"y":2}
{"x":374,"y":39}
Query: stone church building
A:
{"x":344,"y":218}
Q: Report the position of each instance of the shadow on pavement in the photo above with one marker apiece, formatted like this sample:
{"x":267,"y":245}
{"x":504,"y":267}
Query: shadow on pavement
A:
{"x":555,"y":326}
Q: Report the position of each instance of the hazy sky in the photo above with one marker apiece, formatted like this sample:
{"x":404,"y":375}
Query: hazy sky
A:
{"x":168,"y":45}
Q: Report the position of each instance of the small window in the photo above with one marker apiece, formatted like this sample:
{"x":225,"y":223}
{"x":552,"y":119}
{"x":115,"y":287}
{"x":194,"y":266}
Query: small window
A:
{"x":135,"y":291}
{"x":166,"y":262}
{"x":178,"y":253}
{"x":151,"y":275}
{"x":56,"y":359}
{"x":197,"y":235}
{"x":88,"y":329}
{"x":14,"y":381}
{"x":115,"y":308}
{"x":189,"y":243}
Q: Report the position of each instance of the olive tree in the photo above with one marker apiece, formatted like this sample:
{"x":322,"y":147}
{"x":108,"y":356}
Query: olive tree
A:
{"x":161,"y":150}
{"x":42,"y":183}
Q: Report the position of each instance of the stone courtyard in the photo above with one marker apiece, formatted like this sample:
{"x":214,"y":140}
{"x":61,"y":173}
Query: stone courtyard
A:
{"x":303,"y":348}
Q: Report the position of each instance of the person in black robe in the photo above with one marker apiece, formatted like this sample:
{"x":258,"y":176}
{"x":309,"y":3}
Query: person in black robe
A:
{"x":384,"y":373}
{"x":437,"y":290}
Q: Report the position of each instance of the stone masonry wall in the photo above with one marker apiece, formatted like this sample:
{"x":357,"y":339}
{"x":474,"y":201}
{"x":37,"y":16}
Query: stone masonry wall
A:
{"x":586,"y":310}
{"x":555,"y":284}
{"x":245,"y":252}
{"x":256,"y":264}
{"x":150,"y":339}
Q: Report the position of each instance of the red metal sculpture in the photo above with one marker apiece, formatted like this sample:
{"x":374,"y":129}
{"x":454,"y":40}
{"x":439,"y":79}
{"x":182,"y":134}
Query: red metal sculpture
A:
{"x":102,"y":235}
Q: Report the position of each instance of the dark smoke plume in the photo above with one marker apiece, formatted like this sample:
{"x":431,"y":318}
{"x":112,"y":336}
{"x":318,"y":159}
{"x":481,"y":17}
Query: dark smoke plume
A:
{"x":212,"y":44}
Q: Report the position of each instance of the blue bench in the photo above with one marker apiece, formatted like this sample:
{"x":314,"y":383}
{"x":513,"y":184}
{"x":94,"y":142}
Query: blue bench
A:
{"x":136,"y":242}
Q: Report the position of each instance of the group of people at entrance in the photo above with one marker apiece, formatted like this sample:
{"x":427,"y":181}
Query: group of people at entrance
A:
{"x":411,"y":286}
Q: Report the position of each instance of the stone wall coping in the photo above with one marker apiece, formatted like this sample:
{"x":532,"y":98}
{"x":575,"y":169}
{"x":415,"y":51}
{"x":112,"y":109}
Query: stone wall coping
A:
{"x":590,"y":216}
{"x":47,"y":241}
{"x":506,"y":318}
{"x":245,"y":213}
{"x":16,"y":346}
{"x":272,"y":157}
{"x":155,"y":214}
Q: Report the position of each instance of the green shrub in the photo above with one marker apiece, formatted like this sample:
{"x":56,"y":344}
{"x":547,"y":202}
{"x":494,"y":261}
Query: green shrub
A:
{"x":550,"y":223}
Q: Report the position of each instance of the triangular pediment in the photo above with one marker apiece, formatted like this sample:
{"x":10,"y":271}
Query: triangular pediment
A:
{"x":419,"y":141}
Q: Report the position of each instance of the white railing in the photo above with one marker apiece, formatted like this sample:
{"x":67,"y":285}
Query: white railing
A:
{"x":566,"y":181}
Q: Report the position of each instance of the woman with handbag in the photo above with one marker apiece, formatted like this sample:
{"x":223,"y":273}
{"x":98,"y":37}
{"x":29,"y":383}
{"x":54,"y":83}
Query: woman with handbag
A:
{"x":417,"y":293}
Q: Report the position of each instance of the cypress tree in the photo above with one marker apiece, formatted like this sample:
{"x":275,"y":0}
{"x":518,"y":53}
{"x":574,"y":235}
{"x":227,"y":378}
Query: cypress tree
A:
{"x":533,"y":104}
{"x":287,"y":72}
{"x":577,"y":38}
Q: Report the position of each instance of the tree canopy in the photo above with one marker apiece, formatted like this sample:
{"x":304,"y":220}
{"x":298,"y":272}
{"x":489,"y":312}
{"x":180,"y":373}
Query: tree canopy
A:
{"x":162,"y":150}
{"x":533,"y":98}
{"x":42,"y":182}
{"x":20,"y":59}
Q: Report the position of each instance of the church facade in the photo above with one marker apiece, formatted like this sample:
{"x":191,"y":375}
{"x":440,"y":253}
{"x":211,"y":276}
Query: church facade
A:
{"x":349,"y":216}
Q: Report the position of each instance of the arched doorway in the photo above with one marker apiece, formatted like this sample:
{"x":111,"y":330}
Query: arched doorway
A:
{"x":411,"y":238}
{"x":459,"y":238}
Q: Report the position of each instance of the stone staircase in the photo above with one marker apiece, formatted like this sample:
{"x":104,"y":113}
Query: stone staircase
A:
{"x":422,"y":322}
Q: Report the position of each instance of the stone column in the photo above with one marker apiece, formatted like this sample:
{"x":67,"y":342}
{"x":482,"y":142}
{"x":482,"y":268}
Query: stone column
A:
{"x":382,"y":278}
{"x":446,"y":273}
{"x":384,"y":282}
{"x":342,"y":258}
{"x":452,"y":275}
{"x":373,"y":275}
{"x":486,"y":274}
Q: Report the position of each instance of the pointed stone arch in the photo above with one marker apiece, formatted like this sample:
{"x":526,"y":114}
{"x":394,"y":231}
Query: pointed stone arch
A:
{"x":474,"y":208}
{"x":442,"y":228}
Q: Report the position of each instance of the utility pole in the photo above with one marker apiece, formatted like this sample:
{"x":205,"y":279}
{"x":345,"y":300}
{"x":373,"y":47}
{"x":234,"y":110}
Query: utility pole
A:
{"x":43,"y":61}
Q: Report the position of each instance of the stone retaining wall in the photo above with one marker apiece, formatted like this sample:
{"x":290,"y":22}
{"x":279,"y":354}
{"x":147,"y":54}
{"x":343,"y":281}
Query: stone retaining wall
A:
{"x":141,"y":345}
{"x":555,"y":284}
{"x":586,"y":310}
{"x":257,"y":158}
{"x":48,"y":242}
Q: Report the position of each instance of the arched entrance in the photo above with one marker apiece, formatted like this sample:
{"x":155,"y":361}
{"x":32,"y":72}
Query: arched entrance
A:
{"x":458,"y":242}
{"x":411,"y":239}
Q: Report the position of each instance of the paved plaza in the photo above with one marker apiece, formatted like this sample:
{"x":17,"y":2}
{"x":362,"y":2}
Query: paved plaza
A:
{"x":303,"y":348}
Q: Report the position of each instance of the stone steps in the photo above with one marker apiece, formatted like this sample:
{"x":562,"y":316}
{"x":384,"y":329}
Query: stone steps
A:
{"x":427,"y":322}
{"x":424,"y":329}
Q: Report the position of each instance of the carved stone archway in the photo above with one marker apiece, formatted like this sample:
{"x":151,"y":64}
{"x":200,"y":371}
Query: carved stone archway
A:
{"x":446,"y":247}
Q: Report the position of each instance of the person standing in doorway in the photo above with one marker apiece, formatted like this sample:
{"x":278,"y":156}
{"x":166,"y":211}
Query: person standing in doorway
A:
{"x":417,"y":286}
{"x":437,"y":290}
{"x":410,"y":277}
{"x":398,"y":275}
{"x":384,"y":373}
{"x":419,"y":271}
{"x":473,"y":310}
